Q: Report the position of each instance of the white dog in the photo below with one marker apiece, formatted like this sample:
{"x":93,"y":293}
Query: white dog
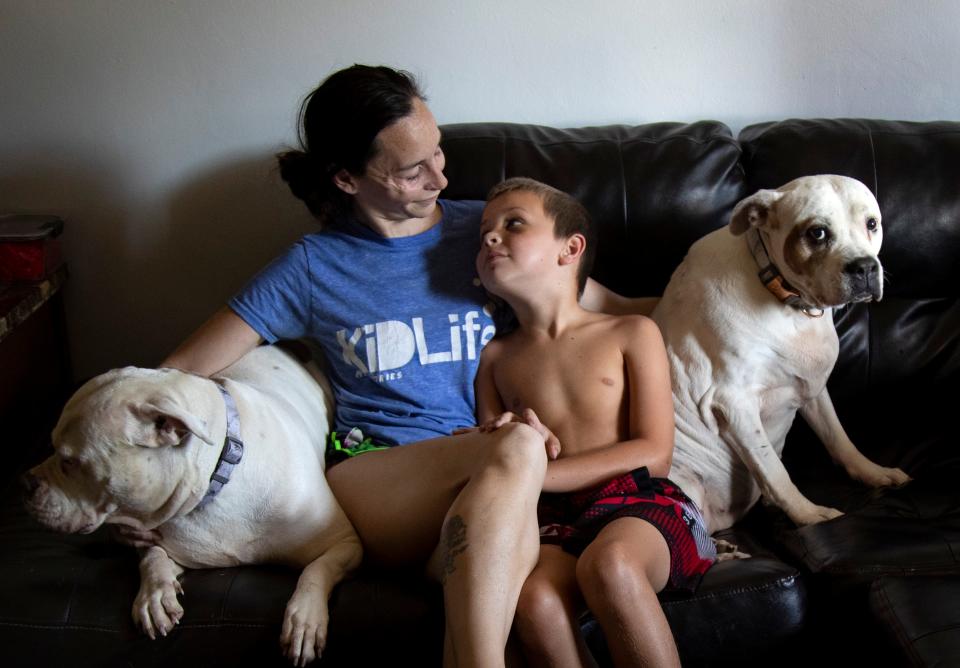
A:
{"x":746,"y":319}
{"x":230,"y":471}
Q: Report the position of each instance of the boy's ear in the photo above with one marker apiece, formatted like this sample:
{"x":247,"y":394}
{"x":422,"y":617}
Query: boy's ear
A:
{"x":345,"y":181}
{"x":573,"y":248}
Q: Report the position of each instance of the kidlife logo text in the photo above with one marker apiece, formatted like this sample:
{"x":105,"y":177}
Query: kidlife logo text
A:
{"x":381,"y":349}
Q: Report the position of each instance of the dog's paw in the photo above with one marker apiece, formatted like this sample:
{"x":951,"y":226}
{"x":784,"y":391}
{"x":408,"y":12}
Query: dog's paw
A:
{"x":881,"y":476}
{"x":304,"y":633}
{"x":156,"y":609}
{"x":814,"y":514}
{"x":727,"y":550}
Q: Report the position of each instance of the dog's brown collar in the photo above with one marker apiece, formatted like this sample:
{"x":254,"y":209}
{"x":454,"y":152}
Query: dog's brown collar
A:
{"x":232,"y":451}
{"x":773,"y":280}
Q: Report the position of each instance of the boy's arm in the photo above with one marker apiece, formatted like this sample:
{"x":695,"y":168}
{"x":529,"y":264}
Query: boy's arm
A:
{"x":600,"y":299}
{"x":651,"y":426}
{"x":489,"y":403}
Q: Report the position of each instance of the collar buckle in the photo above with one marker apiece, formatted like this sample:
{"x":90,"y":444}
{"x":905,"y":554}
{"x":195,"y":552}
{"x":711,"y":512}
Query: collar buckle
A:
{"x":773,"y":280}
{"x":232,"y":451}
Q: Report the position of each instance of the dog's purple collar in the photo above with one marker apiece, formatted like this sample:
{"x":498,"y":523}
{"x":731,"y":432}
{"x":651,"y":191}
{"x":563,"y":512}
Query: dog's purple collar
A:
{"x":773,"y":280}
{"x":232,"y":451}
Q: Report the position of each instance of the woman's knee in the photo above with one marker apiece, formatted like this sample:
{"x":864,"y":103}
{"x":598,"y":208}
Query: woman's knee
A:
{"x":518,"y":446}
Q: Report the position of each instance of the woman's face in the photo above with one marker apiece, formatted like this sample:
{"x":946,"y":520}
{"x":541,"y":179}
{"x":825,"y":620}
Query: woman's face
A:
{"x":404,"y":179}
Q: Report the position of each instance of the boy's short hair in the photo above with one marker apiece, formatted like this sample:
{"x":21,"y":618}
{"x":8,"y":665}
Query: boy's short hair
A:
{"x":569,"y":217}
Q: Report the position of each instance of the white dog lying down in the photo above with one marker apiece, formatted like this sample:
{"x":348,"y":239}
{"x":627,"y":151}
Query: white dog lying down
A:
{"x":151,"y":448}
{"x":746,"y":319}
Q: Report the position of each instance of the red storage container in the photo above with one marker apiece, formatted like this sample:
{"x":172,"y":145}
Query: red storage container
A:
{"x":29,"y":247}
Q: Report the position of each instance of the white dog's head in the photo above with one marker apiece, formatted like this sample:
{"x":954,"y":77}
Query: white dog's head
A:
{"x":823,"y":233}
{"x":126,"y":447}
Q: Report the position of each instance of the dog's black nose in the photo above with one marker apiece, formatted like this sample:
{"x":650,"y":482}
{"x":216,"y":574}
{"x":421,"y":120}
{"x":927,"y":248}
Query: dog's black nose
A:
{"x":30,"y":482}
{"x":862,"y":269}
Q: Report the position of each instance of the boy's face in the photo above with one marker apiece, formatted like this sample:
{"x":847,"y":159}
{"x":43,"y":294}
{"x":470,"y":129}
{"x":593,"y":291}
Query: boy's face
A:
{"x":518,"y":243}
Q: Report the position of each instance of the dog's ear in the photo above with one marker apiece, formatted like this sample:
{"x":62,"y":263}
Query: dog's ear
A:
{"x":163,"y":422}
{"x":753,"y":211}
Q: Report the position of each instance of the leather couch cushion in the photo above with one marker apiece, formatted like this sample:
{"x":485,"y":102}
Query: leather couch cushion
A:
{"x":922,"y":615}
{"x":71,"y":596}
{"x":912,"y":530}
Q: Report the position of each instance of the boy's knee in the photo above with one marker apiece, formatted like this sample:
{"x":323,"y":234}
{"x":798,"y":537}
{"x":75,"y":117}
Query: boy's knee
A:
{"x":539,"y":607}
{"x":609,"y":567}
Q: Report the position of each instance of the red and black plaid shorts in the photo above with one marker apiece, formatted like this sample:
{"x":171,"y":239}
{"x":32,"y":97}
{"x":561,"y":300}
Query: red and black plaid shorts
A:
{"x":573,"y":520}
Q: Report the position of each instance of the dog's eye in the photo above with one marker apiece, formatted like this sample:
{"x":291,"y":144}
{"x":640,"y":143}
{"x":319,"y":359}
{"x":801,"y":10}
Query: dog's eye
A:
{"x":872,"y":224}
{"x":68,"y":465}
{"x":818,"y":234}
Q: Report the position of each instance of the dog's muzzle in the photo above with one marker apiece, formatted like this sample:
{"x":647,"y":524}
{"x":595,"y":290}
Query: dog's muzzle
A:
{"x":864,"y":279}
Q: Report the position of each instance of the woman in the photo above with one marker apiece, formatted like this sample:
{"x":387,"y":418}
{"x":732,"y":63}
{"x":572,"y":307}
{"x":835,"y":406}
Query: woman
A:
{"x":387,"y":289}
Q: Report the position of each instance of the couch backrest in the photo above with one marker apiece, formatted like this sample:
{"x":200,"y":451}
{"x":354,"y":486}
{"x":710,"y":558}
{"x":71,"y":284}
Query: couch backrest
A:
{"x":652,"y":190}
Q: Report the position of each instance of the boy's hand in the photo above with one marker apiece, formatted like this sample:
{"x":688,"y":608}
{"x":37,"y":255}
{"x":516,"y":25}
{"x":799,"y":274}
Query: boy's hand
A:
{"x":495,"y":423}
{"x":551,"y":441}
{"x":528,"y":417}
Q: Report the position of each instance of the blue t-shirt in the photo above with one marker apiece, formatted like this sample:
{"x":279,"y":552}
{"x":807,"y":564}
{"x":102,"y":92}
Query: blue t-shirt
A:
{"x":401,"y":320}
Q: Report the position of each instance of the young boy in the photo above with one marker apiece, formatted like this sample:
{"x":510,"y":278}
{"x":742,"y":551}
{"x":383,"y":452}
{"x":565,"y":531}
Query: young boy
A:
{"x":614,"y":530}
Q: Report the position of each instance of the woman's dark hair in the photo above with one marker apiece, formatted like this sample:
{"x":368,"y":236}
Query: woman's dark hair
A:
{"x":339,"y":123}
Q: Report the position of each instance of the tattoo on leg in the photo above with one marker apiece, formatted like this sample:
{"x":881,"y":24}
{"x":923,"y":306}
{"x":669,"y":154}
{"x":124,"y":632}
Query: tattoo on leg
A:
{"x":455,"y":540}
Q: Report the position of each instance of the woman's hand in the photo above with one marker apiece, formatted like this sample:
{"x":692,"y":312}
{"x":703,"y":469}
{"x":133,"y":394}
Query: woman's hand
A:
{"x":527,"y":417}
{"x":133,"y":537}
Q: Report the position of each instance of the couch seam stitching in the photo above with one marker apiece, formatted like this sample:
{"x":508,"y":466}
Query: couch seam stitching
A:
{"x":777,"y":584}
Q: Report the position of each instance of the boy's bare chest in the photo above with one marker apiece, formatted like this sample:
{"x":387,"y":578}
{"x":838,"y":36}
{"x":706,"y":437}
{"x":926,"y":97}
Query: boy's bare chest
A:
{"x":563,"y":380}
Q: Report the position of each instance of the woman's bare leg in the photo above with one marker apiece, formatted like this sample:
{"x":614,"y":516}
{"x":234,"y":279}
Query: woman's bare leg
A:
{"x":620,"y":573}
{"x":465,"y":505}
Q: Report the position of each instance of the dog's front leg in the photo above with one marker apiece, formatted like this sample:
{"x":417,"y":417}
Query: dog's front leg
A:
{"x":304,"y":632}
{"x":156,"y":608}
{"x":822,"y":418}
{"x":742,"y":430}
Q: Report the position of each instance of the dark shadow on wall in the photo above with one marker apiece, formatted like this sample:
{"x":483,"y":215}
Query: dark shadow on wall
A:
{"x":148,"y":267}
{"x":223,"y":225}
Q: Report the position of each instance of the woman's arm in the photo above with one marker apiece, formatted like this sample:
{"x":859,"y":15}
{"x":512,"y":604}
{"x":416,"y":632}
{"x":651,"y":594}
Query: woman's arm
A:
{"x":599,"y":299}
{"x":651,"y":426}
{"x":218,"y":343}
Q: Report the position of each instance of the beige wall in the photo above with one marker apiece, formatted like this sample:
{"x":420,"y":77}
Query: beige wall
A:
{"x":149,"y":125}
